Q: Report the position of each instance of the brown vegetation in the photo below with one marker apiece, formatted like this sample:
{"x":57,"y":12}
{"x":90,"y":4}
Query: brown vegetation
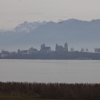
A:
{"x":51,"y":90}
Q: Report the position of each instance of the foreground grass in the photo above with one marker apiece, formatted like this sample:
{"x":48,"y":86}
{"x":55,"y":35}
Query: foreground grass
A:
{"x":24,"y":98}
{"x":50,"y":91}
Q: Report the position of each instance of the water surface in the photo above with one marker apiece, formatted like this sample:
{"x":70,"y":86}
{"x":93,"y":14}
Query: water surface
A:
{"x":61,"y":71}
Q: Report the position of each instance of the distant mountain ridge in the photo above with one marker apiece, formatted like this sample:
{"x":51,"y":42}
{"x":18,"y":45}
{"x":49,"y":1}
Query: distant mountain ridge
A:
{"x":28,"y":26}
{"x":76,"y":33}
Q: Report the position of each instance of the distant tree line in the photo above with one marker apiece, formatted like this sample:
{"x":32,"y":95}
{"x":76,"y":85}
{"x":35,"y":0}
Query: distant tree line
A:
{"x":56,"y":55}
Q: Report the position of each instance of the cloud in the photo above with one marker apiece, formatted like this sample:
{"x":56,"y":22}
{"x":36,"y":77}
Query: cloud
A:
{"x":9,"y":21}
{"x":35,"y":13}
{"x":19,"y":0}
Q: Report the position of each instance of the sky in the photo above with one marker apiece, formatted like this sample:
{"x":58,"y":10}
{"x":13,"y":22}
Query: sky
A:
{"x":14,"y":12}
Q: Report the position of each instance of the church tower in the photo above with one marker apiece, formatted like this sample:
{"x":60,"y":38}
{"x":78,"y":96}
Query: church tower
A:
{"x":66,"y":47}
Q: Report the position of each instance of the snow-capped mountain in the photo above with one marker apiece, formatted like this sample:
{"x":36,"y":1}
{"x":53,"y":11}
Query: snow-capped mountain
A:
{"x":28,"y":26}
{"x":76,"y":33}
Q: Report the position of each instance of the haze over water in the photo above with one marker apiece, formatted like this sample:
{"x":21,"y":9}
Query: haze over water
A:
{"x":61,"y":71}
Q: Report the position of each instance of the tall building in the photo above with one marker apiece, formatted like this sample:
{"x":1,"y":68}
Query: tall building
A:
{"x":66,"y":47}
{"x":60,"y":48}
{"x":45,"y":49}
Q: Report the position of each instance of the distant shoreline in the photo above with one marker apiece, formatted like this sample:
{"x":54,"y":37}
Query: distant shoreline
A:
{"x":56,"y":56}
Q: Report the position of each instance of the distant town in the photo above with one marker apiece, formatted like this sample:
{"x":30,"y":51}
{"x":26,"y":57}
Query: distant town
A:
{"x":45,"y":52}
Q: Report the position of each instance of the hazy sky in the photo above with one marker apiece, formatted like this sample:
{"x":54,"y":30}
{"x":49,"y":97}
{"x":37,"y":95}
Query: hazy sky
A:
{"x":14,"y":12}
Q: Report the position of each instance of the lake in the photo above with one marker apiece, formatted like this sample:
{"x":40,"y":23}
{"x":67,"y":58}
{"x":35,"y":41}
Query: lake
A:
{"x":46,"y":71}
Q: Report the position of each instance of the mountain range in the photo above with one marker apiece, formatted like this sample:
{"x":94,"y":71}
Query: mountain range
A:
{"x":76,"y":33}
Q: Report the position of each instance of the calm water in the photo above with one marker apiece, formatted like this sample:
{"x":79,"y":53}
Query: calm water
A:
{"x":69,"y":71}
